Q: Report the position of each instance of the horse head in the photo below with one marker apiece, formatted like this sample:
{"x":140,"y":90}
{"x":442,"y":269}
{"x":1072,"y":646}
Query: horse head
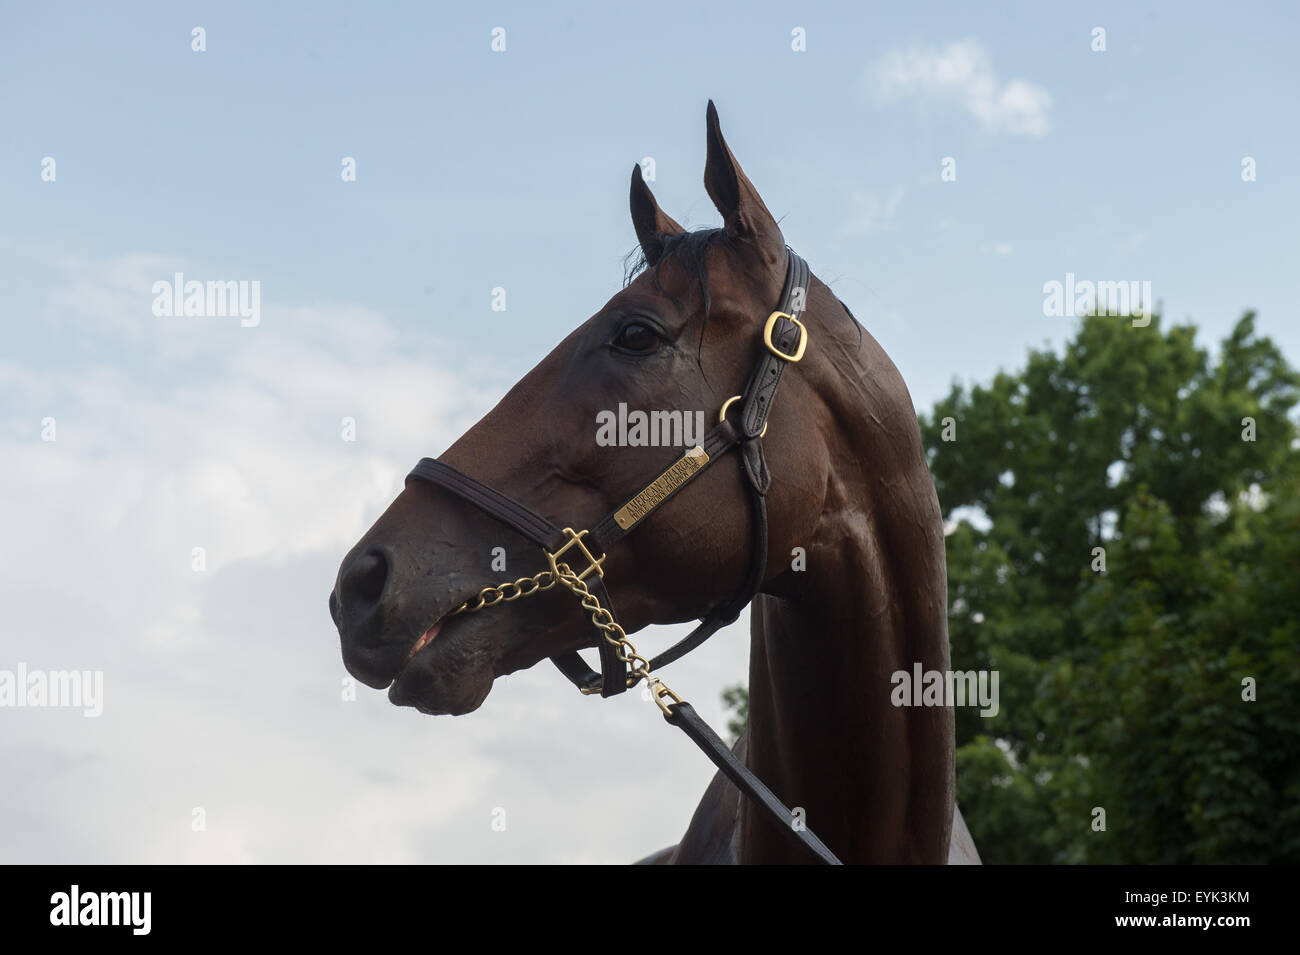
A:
{"x":680,"y":339}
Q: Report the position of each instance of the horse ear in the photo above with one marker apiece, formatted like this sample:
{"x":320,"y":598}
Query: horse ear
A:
{"x":743,"y":212}
{"x":651,"y":222}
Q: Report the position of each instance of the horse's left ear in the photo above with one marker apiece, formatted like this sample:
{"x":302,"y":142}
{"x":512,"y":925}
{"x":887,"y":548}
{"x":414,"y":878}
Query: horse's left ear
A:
{"x":746,"y":218}
{"x":651,"y":222}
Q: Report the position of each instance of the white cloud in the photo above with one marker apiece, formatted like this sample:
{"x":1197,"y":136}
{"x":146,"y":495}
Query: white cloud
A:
{"x":222,"y":688}
{"x":961,"y":75}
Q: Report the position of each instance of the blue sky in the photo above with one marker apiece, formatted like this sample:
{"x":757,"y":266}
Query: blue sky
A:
{"x":479,"y":169}
{"x":475,"y":170}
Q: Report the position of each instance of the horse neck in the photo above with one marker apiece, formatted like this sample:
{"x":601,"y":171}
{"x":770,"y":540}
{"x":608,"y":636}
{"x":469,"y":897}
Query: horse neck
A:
{"x":875,"y":781}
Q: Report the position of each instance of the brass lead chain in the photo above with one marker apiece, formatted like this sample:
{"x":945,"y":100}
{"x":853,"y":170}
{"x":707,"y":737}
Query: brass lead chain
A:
{"x":562,"y":573}
{"x":615,"y":635}
{"x":504,"y":593}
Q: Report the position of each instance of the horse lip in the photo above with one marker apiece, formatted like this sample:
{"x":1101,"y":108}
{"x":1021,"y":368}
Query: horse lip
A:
{"x":424,"y":640}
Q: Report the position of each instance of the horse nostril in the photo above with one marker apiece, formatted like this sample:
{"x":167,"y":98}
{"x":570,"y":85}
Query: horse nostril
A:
{"x":363,"y":582}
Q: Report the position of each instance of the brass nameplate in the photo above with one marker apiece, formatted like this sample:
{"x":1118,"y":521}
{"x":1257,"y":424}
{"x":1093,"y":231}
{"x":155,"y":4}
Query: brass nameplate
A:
{"x":658,"y":489}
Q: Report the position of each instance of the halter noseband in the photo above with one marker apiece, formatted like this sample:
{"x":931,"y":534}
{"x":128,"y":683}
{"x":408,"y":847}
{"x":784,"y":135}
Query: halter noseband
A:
{"x":784,"y":339}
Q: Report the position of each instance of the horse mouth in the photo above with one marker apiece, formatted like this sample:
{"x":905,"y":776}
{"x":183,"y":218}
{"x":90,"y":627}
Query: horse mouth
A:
{"x":423,"y":641}
{"x":447,"y":670}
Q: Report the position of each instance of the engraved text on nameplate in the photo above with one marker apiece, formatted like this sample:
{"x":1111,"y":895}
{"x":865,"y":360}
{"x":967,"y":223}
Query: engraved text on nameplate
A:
{"x":661,"y":487}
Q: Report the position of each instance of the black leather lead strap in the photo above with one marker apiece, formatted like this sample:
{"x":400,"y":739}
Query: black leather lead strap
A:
{"x":683,"y":715}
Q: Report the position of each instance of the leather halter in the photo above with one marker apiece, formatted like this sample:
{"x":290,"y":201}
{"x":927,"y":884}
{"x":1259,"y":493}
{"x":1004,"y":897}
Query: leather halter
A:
{"x":784,"y":339}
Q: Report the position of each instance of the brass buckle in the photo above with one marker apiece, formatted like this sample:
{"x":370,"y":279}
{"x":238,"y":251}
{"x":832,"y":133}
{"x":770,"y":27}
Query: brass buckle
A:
{"x":767,"y":337}
{"x":575,"y":537}
{"x":722,"y":415}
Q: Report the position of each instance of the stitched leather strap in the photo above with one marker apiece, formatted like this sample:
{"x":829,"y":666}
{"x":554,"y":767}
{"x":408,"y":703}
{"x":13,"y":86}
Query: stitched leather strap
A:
{"x":538,"y":530}
{"x":685,"y":717}
{"x":508,"y":511}
{"x":761,"y":389}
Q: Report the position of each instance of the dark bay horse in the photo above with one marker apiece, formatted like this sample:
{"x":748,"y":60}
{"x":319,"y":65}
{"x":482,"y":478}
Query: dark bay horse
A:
{"x":854,"y":586}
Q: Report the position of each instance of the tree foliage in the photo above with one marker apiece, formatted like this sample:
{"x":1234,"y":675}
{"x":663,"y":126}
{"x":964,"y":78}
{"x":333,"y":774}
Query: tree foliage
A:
{"x":1123,"y":689}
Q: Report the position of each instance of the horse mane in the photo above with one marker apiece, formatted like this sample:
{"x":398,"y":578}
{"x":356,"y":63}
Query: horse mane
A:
{"x":692,"y":248}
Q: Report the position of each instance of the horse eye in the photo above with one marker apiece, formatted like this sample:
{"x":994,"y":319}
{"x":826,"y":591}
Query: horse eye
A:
{"x":637,"y":338}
